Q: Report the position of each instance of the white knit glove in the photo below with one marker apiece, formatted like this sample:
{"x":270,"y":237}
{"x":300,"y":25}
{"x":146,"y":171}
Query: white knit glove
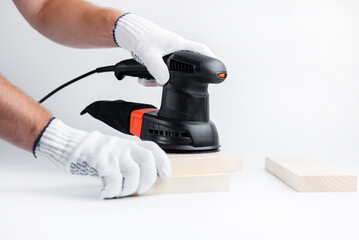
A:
{"x":148,"y":43}
{"x":124,"y":166}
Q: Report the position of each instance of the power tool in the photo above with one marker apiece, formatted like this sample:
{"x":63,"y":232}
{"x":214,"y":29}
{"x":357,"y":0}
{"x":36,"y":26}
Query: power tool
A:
{"x":182,"y":123}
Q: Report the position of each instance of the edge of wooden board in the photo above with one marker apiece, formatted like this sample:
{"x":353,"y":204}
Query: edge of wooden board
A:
{"x":206,"y":163}
{"x":192,"y":184}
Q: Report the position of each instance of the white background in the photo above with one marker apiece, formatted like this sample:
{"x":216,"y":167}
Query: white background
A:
{"x":292,"y":89}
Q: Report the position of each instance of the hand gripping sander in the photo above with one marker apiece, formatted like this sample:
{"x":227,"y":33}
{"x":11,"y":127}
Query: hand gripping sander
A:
{"x":182,"y":123}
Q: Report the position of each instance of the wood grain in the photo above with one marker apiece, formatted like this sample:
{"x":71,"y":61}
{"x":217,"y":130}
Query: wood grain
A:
{"x":306,"y":174}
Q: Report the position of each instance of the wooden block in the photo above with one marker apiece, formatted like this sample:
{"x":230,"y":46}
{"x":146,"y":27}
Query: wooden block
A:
{"x":192,"y":184}
{"x":195,"y":173}
{"x":306,"y":174}
{"x":206,"y":163}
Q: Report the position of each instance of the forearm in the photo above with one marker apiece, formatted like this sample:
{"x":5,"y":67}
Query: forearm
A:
{"x":74,"y":23}
{"x":21,"y":119}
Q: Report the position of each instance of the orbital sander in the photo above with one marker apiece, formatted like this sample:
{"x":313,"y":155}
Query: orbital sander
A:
{"x":182,"y":123}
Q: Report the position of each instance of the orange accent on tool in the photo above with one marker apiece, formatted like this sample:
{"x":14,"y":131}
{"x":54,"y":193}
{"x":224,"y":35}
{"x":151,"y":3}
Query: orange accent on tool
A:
{"x":221,"y":75}
{"x":136,"y":120}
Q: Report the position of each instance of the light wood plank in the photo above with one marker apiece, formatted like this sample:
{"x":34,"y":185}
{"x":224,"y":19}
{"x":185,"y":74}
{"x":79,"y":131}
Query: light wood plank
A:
{"x":192,"y":184}
{"x":306,"y":174}
{"x":205,"y":163}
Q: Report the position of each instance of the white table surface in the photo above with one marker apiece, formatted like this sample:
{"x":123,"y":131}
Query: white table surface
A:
{"x":39,"y":202}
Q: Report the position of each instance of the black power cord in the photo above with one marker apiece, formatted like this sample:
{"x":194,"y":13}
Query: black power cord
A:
{"x":97,"y":70}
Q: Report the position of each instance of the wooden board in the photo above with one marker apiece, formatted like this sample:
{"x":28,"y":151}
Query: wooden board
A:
{"x":306,"y":174}
{"x":192,"y":184}
{"x":205,"y":163}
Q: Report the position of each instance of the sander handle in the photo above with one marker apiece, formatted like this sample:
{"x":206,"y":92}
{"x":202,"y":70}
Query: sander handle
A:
{"x":131,"y":67}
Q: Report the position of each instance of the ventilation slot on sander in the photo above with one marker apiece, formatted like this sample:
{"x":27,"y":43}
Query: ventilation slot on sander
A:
{"x":180,"y":66}
{"x":160,"y":130}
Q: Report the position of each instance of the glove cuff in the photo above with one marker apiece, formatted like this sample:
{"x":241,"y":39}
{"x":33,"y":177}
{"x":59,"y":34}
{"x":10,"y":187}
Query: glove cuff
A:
{"x":58,"y":141}
{"x":129,"y":29}
{"x":115,"y":30}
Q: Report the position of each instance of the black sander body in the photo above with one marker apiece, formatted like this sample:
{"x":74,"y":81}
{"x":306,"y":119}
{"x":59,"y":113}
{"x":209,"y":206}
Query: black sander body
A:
{"x":182,"y":123}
